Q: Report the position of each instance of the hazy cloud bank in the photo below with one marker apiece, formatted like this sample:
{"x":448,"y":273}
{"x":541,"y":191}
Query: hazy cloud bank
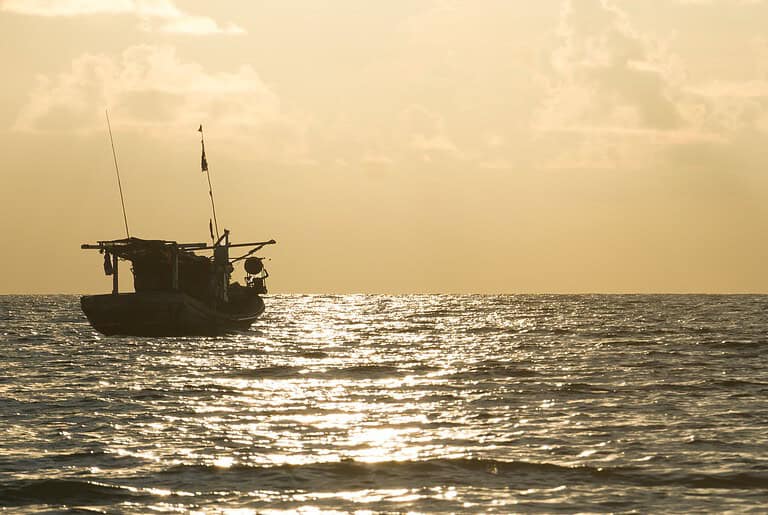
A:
{"x":151,"y":88}
{"x":154,"y":15}
{"x":608,"y":96}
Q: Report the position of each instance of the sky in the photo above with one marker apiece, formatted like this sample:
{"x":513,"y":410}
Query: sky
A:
{"x":406,"y":146}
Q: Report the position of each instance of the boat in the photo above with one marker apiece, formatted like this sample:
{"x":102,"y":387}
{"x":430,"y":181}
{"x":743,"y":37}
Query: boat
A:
{"x":178,"y":291}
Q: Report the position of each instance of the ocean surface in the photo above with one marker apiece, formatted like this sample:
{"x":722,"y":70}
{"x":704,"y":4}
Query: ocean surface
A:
{"x":423,"y":403}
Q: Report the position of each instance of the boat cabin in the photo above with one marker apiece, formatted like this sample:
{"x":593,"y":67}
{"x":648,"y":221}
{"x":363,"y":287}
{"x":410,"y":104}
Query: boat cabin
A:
{"x":163,"y":265}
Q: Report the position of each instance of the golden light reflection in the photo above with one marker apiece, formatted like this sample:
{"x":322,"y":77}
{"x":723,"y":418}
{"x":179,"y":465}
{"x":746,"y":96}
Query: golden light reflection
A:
{"x":147,"y":455}
{"x":384,"y":444}
{"x":224,"y":462}
{"x":329,"y":420}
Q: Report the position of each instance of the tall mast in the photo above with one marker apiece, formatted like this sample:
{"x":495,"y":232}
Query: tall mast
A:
{"x":204,"y":167}
{"x":117,"y":171}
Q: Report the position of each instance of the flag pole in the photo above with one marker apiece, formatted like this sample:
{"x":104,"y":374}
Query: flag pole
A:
{"x":117,"y":171}
{"x":204,"y":167}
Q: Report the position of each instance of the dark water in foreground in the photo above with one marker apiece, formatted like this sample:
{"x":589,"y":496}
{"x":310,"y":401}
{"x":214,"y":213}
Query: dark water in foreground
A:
{"x":406,"y":403}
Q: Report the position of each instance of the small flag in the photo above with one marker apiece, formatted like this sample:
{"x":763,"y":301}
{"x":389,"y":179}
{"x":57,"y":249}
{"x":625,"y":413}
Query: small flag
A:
{"x":210,"y":227}
{"x":203,"y":160}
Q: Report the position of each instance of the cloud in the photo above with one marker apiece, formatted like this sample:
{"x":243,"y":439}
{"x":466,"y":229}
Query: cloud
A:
{"x":750,"y":89}
{"x":154,"y":15}
{"x":606,"y":75}
{"x":721,"y":2}
{"x":199,"y":25}
{"x":616,"y":98}
{"x":425,"y":134}
{"x":735,"y":107}
{"x":68,"y":7}
{"x":150,"y":88}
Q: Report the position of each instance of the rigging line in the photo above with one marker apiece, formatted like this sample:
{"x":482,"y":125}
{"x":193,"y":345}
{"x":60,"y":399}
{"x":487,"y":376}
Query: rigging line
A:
{"x":213,"y":205}
{"x":247,"y":254}
{"x":117,"y":171}
{"x":210,"y":188}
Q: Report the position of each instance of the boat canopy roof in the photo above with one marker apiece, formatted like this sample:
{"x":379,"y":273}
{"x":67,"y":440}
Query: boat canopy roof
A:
{"x":133,"y":249}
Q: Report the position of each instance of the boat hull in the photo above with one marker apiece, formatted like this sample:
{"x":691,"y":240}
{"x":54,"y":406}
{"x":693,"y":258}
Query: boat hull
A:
{"x":166,"y":314}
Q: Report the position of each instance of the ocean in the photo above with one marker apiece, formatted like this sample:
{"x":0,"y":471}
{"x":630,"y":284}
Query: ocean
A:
{"x":375,"y":403}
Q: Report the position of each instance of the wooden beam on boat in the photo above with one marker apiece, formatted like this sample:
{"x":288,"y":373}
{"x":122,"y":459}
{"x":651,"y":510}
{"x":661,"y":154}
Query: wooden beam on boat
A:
{"x":254,"y":244}
{"x":111,"y":244}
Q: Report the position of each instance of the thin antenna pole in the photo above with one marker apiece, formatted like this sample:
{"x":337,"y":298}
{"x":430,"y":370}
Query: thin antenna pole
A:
{"x":204,"y":163}
{"x":117,"y":171}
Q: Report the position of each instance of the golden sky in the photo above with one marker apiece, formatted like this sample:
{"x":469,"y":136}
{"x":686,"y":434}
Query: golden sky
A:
{"x":483,"y":146}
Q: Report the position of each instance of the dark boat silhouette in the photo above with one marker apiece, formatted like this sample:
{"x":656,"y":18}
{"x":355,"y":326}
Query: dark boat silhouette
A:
{"x":177,"y":292}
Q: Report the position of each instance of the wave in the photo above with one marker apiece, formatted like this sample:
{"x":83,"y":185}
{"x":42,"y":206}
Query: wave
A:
{"x":487,"y":473}
{"x":274,"y":372}
{"x":62,"y":491}
{"x":367,"y":372}
{"x":493,"y":370}
{"x":734,"y":383}
{"x":291,"y":372}
{"x":313,"y":354}
{"x":76,"y":459}
{"x":584,"y":388}
{"x":346,"y":475}
{"x":477,"y":372}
